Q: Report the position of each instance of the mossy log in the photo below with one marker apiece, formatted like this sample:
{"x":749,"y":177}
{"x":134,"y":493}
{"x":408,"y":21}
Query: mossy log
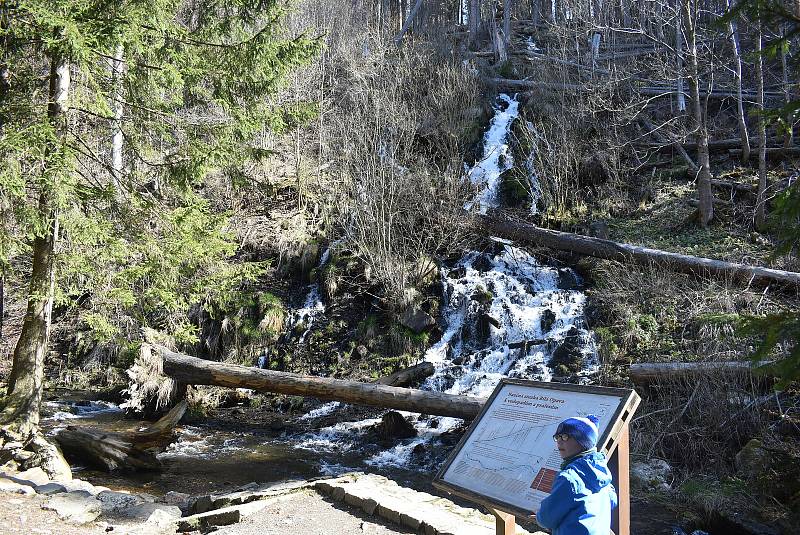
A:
{"x":121,"y":451}
{"x":408,"y":376}
{"x":195,"y":371}
{"x":623,"y":252}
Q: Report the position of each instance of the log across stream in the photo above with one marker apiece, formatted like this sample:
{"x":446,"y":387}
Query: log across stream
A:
{"x":191,"y":370}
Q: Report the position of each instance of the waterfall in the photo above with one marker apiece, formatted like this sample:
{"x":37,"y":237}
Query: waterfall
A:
{"x":504,"y":314}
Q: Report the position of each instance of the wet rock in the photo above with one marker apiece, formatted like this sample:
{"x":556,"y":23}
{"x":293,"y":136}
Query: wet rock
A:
{"x":482,"y":296}
{"x":277,"y":425}
{"x":394,"y":426}
{"x":483,"y":264}
{"x":548,"y":319}
{"x":653,"y":474}
{"x":568,"y":357}
{"x":416,"y":319}
{"x":494,"y":322}
{"x":568,"y":280}
{"x":419,"y":452}
{"x":457,"y":273}
{"x":74,"y":507}
{"x":525,"y":344}
{"x":483,"y":327}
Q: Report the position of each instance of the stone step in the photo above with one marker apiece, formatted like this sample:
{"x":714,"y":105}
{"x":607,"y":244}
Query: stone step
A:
{"x":419,"y":511}
{"x":226,"y":516}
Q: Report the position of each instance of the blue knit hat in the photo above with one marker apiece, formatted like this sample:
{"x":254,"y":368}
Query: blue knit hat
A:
{"x":584,"y":430}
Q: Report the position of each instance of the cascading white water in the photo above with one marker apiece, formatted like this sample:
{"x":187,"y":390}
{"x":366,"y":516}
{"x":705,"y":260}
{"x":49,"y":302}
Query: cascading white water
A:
{"x":313,"y":307}
{"x":504,"y":314}
{"x":496,"y":158}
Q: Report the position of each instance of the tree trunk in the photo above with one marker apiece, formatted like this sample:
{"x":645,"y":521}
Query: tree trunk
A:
{"x":788,"y":134}
{"x":195,"y":371}
{"x":679,"y":94}
{"x":116,"y":123}
{"x":474,"y":20}
{"x":761,"y":196}
{"x":508,"y":5}
{"x":536,"y":12}
{"x":414,"y":374}
{"x":737,"y":59}
{"x":407,"y":24}
{"x":121,"y":451}
{"x":705,"y":207}
{"x":21,"y":412}
{"x":623,"y":252}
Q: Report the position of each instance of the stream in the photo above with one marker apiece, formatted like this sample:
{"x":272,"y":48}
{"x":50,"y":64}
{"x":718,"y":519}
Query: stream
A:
{"x":504,"y":314}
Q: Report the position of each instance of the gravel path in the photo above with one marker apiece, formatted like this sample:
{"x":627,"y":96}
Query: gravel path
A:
{"x":308,"y":513}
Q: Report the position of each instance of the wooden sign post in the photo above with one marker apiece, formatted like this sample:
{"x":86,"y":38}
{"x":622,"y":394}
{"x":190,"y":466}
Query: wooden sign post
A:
{"x":507,"y":460}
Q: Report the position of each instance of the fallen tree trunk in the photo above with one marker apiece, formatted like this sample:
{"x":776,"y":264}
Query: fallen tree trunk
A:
{"x":653,"y":371}
{"x":736,"y":186}
{"x":531,"y":84}
{"x":770,"y":151}
{"x":195,"y":371}
{"x":623,"y":252}
{"x":408,"y":376}
{"x":121,"y":451}
{"x":714,"y":145}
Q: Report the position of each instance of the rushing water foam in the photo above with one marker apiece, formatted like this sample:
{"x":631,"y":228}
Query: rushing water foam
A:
{"x":496,"y":159}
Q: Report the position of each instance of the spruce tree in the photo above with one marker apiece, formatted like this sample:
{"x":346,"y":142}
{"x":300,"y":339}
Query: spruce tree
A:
{"x":113,"y":116}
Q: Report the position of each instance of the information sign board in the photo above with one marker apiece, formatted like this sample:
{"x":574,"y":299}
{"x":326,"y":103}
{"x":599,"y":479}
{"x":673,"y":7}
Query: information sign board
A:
{"x":508,"y":459}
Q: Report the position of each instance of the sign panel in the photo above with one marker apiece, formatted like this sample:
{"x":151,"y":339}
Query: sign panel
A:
{"x":508,"y":457}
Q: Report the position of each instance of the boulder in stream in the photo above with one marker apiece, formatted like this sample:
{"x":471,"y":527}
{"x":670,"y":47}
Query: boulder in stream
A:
{"x":393,"y":426}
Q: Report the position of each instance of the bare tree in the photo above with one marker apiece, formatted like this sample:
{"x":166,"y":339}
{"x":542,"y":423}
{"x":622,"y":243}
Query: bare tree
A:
{"x":474,"y":20}
{"x":737,"y":64}
{"x":759,"y":218}
{"x":705,"y":206}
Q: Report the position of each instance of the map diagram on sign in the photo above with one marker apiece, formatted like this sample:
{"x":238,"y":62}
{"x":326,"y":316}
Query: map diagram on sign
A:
{"x":510,"y":454}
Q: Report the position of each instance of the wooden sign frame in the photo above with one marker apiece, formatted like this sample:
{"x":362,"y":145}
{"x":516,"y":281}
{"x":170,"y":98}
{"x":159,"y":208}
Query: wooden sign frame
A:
{"x":613,"y":442}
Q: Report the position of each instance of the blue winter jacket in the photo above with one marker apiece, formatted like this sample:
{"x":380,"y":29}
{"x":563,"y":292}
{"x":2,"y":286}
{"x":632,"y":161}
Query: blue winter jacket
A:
{"x":582,"y":498}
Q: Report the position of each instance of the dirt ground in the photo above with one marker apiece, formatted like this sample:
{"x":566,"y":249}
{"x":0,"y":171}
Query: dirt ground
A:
{"x":307,"y":513}
{"x":24,"y":515}
{"x":311,"y":514}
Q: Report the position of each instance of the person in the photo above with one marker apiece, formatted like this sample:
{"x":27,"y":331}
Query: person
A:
{"x":582,"y":496}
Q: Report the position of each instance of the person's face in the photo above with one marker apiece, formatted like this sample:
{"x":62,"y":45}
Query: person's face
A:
{"x":567,"y":446}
